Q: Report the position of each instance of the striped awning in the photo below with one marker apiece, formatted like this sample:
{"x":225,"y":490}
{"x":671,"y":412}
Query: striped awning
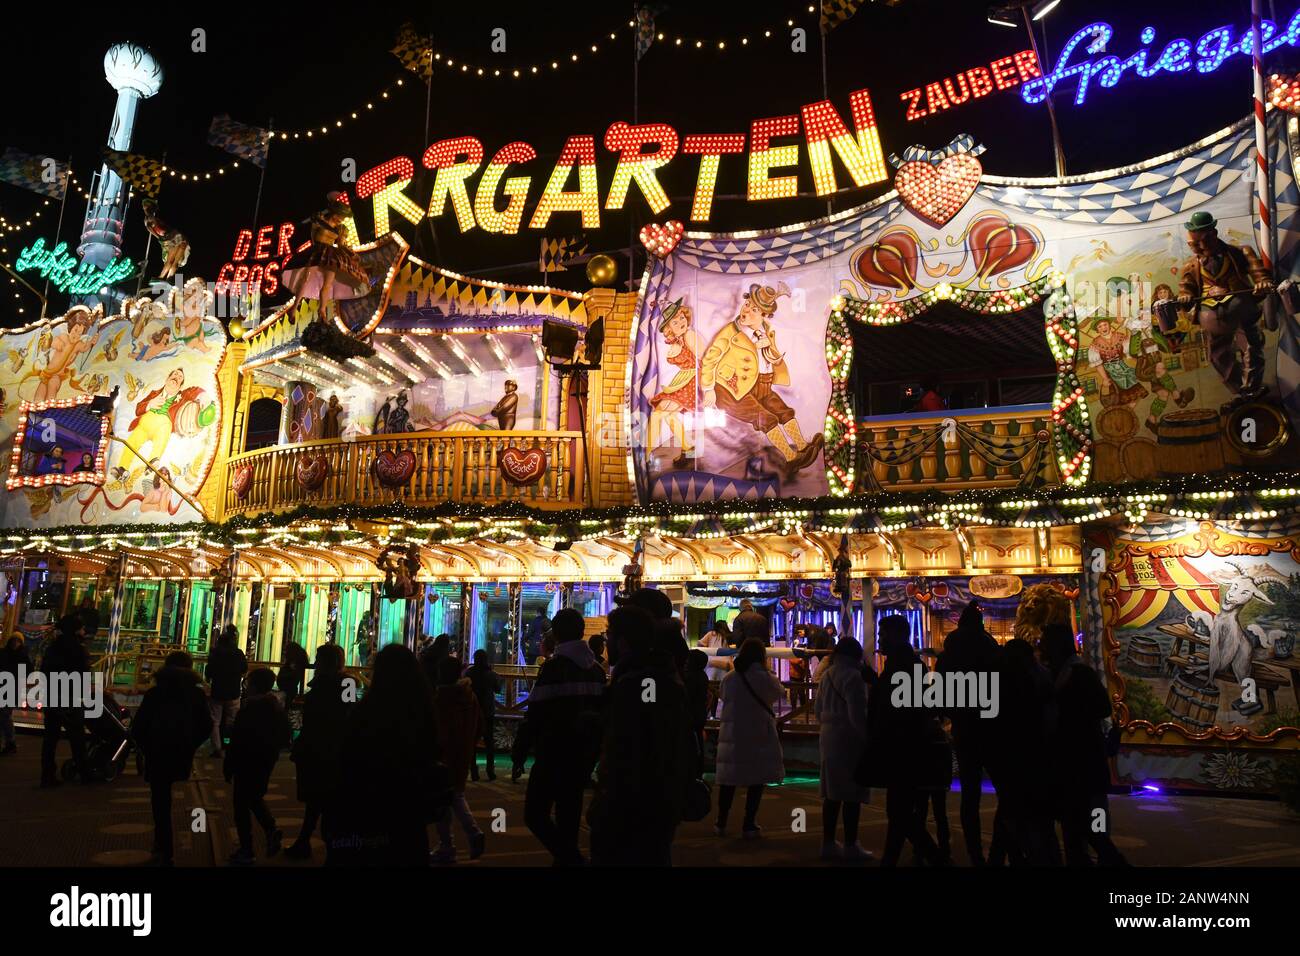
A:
{"x":1146,"y":583}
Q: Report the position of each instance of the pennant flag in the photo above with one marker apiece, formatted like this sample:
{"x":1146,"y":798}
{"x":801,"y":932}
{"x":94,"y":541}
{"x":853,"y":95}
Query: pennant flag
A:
{"x":246,"y":142}
{"x":414,"y":51}
{"x":556,"y":254}
{"x":143,"y":173}
{"x":43,"y":175}
{"x":645,"y":27}
{"x":835,"y":12}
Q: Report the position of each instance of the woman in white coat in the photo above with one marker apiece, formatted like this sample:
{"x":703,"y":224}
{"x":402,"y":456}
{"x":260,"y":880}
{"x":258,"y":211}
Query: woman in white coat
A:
{"x":841,"y":706}
{"x":749,"y":748}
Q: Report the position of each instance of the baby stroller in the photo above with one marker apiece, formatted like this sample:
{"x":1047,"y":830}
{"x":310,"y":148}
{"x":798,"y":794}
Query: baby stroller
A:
{"x":108,"y":743}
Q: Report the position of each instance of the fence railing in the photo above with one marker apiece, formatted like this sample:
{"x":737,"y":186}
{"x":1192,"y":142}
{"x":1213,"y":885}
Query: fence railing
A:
{"x":421,"y":468}
{"x":982,"y":448}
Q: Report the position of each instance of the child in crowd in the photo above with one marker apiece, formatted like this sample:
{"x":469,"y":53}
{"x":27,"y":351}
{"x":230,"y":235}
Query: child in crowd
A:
{"x":260,"y":732}
{"x":459,"y":722}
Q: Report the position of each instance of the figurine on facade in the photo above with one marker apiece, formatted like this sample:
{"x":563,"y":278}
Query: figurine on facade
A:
{"x":632,"y":571}
{"x":842,"y":567}
{"x":506,"y":408}
{"x":398,"y":419}
{"x":327,"y":270}
{"x":400,"y":567}
{"x":1223,"y":285}
{"x":175,"y":247}
{"x":330,"y":420}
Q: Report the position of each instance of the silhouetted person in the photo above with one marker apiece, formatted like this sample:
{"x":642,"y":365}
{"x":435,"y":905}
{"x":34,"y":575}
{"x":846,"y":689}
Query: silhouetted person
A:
{"x":433,"y":656}
{"x":533,"y":634}
{"x":750,"y":625}
{"x":749,"y":747}
{"x":64,"y":663}
{"x":841,"y":706}
{"x":292,"y":679}
{"x":260,"y":732}
{"x":1024,"y":830}
{"x":170,"y":724}
{"x":1078,"y":752}
{"x":224,"y":673}
{"x":597,"y":644}
{"x":317,"y":753}
{"x":393,"y":785}
{"x":89,"y":615}
{"x":901,"y":734}
{"x":696,"y":683}
{"x":647,"y":757}
{"x":971,"y":650}
{"x":13,"y":661}
{"x":562,"y":730}
{"x":485,"y":683}
{"x":459,"y":723}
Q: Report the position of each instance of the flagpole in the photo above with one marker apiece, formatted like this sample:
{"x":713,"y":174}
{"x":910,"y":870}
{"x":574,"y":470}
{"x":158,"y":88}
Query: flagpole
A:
{"x":148,"y":241}
{"x":58,"y":230}
{"x":636,"y":99}
{"x":257,"y":205}
{"x":825,"y":86}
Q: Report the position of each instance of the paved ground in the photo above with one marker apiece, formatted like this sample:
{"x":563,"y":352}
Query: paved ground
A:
{"x":109,"y":824}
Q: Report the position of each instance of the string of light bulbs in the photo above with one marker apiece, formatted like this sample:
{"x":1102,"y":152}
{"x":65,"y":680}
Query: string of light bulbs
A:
{"x":610,"y":41}
{"x":308,"y":132}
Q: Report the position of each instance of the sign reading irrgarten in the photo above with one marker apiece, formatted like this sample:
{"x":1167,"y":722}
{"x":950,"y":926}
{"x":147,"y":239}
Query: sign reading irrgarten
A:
{"x":642,"y":150}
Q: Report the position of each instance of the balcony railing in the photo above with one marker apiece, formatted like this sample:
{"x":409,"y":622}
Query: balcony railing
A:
{"x":448,"y":466}
{"x":952,"y":450}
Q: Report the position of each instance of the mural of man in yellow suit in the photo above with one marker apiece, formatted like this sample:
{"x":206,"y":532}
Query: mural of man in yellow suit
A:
{"x":739,"y":371}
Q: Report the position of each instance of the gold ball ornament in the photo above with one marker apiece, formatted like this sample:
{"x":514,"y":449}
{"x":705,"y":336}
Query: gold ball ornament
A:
{"x":236,"y":329}
{"x":601,"y":270}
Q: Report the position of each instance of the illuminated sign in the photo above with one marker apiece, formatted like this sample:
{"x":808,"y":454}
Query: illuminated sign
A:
{"x":257,"y":259}
{"x":976,"y":83}
{"x":642,"y":151}
{"x":69,"y":275}
{"x":1177,"y":56}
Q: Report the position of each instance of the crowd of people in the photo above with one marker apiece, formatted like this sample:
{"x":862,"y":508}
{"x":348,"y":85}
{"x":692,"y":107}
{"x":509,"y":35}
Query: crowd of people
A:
{"x":624,"y":717}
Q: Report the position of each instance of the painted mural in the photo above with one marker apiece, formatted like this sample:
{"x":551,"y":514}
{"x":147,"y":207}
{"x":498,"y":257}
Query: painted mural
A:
{"x":1164,"y":326}
{"x":1198,"y":632}
{"x":161,"y":358}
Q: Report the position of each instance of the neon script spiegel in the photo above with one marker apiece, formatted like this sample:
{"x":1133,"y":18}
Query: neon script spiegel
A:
{"x":1207,"y":54}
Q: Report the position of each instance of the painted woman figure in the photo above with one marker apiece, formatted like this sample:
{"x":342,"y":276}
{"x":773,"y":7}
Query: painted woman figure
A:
{"x":328,"y":269}
{"x":677,"y":401}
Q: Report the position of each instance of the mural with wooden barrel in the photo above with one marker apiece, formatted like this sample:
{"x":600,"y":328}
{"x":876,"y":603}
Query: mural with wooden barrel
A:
{"x":1120,"y":454}
{"x":1190,"y":442}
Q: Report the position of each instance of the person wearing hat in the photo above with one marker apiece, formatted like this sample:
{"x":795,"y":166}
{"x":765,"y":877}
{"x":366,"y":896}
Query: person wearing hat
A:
{"x":327,"y":270}
{"x":673,"y":404}
{"x":507,"y":407}
{"x":1108,"y":351}
{"x":1226,"y":283}
{"x":739,"y":371}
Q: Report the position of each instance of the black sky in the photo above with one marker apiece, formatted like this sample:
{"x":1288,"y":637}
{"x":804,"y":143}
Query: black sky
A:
{"x":308,"y":64}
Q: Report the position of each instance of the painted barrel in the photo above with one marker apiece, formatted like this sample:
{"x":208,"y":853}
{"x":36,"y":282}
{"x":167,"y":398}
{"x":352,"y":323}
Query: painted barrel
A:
{"x":1143,"y":655}
{"x":1117,"y":423}
{"x":1106,"y":464}
{"x":1189,"y":442}
{"x":1139,"y":458}
{"x":1193,"y":704}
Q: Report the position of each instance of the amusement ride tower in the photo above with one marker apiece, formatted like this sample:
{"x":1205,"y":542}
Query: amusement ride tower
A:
{"x":136,"y":75}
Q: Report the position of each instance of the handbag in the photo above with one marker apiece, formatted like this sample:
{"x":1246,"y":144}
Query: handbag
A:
{"x":699,"y":801}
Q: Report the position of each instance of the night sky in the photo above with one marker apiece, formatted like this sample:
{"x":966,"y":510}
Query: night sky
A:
{"x":306,"y":65}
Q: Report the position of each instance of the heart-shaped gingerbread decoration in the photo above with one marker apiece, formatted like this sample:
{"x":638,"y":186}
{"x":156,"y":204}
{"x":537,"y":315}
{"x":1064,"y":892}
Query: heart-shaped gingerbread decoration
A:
{"x":394,"y":468}
{"x":659,"y":240}
{"x":522,"y":466}
{"x":241,"y":482}
{"x":788,"y":604}
{"x":937,"y":191}
{"x":312,"y":470}
{"x":999,"y":245}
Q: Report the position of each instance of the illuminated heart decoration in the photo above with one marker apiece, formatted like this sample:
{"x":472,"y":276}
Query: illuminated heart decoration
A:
{"x":522,"y":467}
{"x":890,"y":261}
{"x":394,"y":468}
{"x":242,"y":481}
{"x":914,"y":592}
{"x":659,"y":240}
{"x":311,"y":471}
{"x":998,"y":245}
{"x":788,"y":604}
{"x":937,"y":191}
